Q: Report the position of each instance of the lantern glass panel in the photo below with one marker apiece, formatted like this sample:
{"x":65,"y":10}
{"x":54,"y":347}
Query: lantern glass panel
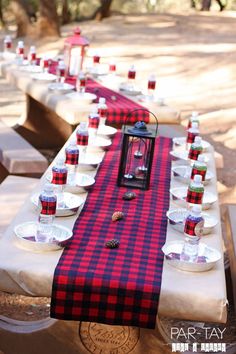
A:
{"x":136,"y":159}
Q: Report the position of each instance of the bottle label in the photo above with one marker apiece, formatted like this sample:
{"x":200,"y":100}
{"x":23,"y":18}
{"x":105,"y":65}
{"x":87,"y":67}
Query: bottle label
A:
{"x":61,"y":72}
{"x":96,"y":59}
{"x":194,"y":226}
{"x":20,"y":51}
{"x":32,"y":56}
{"x":59,"y":177}
{"x":191,"y":136}
{"x":102,"y":112}
{"x":8,"y":45}
{"x":151,"y":85}
{"x":194,"y":153}
{"x":82,"y":82}
{"x":48,"y":205}
{"x":195,"y":196}
{"x":82,"y":139}
{"x":131,"y":74}
{"x":94,"y":122}
{"x":72,"y":158}
{"x":198,"y":171}
{"x":112,"y":67}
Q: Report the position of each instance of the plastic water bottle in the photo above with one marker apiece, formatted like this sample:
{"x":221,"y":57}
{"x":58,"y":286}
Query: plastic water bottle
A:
{"x":151,"y":86}
{"x":72,"y":161}
{"x":47,"y":204}
{"x":195,"y":191}
{"x":32,"y":55}
{"x":102,"y":110}
{"x":193,"y":119}
{"x":82,"y":139}
{"x":59,"y":179}
{"x":20,"y":49}
{"x":195,"y":149}
{"x":199,"y":168}
{"x":192,"y":133}
{"x":94,"y":120}
{"x":61,"y":71}
{"x":7,"y":44}
{"x":44,"y":63}
{"x":81,"y":82}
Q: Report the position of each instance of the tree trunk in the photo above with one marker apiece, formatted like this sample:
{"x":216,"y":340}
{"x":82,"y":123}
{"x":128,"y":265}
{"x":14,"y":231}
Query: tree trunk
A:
{"x":65,"y":12}
{"x":48,"y":23}
{"x":104,"y":10}
{"x":1,"y":15}
{"x":20,"y":11}
{"x":206,"y":5}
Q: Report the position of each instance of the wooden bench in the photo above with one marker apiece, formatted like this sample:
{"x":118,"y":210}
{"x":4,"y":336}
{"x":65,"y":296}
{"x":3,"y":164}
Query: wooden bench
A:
{"x":230,"y":225}
{"x":13,"y":192}
{"x":17,"y":156}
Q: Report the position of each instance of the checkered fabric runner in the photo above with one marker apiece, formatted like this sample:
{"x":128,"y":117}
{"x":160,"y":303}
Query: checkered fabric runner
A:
{"x":118,"y":105}
{"x":116,"y":286}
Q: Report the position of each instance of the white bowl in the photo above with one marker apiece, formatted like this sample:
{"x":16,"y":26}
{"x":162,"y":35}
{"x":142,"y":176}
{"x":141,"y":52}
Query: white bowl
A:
{"x":85,"y":97}
{"x":106,"y":130}
{"x":129,"y":90}
{"x":183,"y":155}
{"x":31,"y":68}
{"x":173,"y":249}
{"x":98,"y":142}
{"x":177,"y":217}
{"x":183,"y":173}
{"x":82,"y":183}
{"x":72,"y":204}
{"x":60,"y":87}
{"x":44,"y":77}
{"x":89,"y":161}
{"x":181,"y":141}
{"x":26,"y":232}
{"x":179,"y":195}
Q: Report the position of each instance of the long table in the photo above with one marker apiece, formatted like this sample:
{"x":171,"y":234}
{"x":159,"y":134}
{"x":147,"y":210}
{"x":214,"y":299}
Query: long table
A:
{"x":51,"y":118}
{"x":184,"y":295}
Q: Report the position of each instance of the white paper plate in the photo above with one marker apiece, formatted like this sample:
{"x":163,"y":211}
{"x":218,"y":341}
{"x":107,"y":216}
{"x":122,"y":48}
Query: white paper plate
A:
{"x":179,"y":195}
{"x":100,"y":69}
{"x":82,"y":184}
{"x":212,"y":256}
{"x":181,"y":141}
{"x":183,"y":155}
{"x":177,"y":217}
{"x":72,"y":204}
{"x":44,"y":77}
{"x":85,"y":97}
{"x":31,"y":68}
{"x":60,"y":87}
{"x":26,"y":232}
{"x":89,"y":160}
{"x":98,"y":142}
{"x":129,"y":90}
{"x":183,"y":173}
{"x":106,"y":130}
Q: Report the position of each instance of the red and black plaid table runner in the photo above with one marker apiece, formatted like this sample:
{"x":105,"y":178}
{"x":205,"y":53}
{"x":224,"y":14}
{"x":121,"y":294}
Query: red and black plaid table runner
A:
{"x":116,"y":286}
{"x":118,"y":105}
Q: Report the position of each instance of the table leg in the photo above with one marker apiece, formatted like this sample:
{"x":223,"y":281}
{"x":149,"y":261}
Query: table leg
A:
{"x":42,"y":127}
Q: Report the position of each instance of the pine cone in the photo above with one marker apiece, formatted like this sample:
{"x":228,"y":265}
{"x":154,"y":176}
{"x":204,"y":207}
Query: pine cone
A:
{"x":112,"y":243}
{"x":117,"y":215}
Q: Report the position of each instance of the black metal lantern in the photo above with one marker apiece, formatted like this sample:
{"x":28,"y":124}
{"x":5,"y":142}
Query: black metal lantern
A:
{"x":137,"y":155}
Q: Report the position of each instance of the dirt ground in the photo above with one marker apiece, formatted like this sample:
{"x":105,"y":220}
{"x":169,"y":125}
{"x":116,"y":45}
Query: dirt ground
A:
{"x":194,"y":59}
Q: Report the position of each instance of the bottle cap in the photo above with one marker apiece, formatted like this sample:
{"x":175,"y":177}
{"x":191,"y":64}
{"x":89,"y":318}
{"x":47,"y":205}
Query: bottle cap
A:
{"x":201,"y":158}
{"x":48,"y":187}
{"x":32,"y":49}
{"x":20,"y":44}
{"x":194,"y":114}
{"x":197,"y":208}
{"x":197,"y":178}
{"x":132,"y":68}
{"x":81,"y":75}
{"x":102,"y":100}
{"x":198,"y":140}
